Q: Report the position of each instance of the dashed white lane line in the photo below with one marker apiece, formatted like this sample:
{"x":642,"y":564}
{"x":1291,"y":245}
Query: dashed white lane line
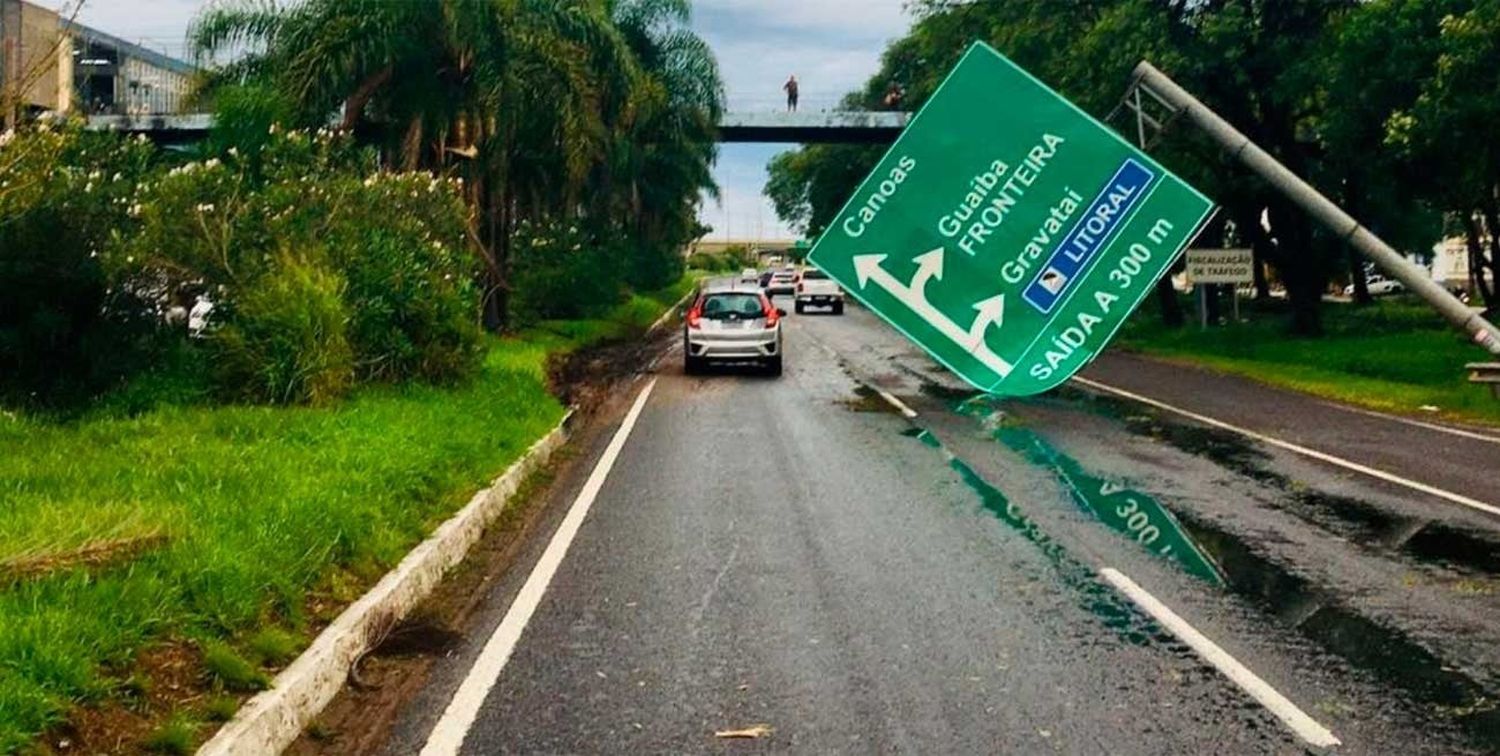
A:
{"x":1305,"y":727}
{"x":449,"y":733}
{"x":1298,"y":449}
{"x":906,"y":412}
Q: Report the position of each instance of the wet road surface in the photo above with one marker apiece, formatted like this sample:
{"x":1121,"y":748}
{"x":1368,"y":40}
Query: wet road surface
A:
{"x":794,"y":553}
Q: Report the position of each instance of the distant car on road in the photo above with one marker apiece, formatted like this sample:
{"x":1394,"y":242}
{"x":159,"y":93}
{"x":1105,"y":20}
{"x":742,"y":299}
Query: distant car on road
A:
{"x":1378,"y":286}
{"x":782,"y":282}
{"x":730,"y":324}
{"x":749,"y":275}
{"x":816,"y":289}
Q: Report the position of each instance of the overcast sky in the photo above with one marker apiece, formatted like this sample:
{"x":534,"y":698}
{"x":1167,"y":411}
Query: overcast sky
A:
{"x":832,"y":46}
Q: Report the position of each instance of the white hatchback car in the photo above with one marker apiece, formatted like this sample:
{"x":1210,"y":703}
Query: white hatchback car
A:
{"x":729,"y":324}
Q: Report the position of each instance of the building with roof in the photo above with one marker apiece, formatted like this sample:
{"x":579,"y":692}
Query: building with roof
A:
{"x":114,"y":77}
{"x":49,"y":63}
{"x":35,"y":62}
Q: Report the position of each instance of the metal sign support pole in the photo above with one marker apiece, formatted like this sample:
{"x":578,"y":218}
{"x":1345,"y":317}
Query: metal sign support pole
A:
{"x":1319,"y":207}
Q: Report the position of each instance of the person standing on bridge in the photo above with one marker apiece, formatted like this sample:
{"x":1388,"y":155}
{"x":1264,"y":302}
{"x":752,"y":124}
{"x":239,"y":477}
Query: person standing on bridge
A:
{"x":791,"y":93}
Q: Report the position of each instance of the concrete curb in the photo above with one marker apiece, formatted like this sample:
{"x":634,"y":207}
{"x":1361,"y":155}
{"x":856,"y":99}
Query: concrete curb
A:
{"x":671,"y":310}
{"x":273,"y":719}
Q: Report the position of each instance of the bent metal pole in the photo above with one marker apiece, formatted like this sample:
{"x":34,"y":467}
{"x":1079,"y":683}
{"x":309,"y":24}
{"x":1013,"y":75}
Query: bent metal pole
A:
{"x":1239,"y":146}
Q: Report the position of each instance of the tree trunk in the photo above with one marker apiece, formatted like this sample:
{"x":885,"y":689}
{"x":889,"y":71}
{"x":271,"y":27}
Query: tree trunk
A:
{"x":1476,"y":260}
{"x":493,"y":317}
{"x":354,"y":107}
{"x":1260,"y":251}
{"x":1357,"y":278}
{"x":1166,"y":300}
{"x":1298,"y":265}
{"x":1492,"y":227}
{"x":505,"y":216}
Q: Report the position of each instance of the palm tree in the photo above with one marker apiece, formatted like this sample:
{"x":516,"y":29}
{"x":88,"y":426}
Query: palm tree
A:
{"x":668,"y":154}
{"x":506,"y":93}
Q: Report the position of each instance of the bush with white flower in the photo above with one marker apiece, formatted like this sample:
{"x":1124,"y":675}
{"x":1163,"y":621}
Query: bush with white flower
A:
{"x":277,"y":233}
{"x":65,"y":331}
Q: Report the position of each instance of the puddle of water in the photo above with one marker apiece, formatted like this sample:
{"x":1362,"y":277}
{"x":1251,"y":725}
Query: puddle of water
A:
{"x":866,"y":400}
{"x":1131,"y":513}
{"x":1098,"y":598}
{"x":1356,"y":520}
{"x":1387,"y":654}
{"x":1445,"y":693}
{"x":947,"y":393}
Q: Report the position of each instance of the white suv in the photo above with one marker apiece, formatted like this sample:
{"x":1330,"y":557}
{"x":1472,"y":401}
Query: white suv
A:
{"x":729,"y":324}
{"x":816,"y":289}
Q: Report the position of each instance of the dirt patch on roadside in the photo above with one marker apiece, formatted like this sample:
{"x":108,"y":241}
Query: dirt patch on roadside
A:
{"x":582,"y":378}
{"x":166,"y":678}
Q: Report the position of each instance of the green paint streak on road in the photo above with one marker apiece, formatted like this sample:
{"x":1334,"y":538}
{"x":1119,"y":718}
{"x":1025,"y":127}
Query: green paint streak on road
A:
{"x":1098,"y":598}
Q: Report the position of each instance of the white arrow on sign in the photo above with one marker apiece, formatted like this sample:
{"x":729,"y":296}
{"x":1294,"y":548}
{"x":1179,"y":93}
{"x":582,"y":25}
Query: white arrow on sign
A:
{"x":914,"y":296}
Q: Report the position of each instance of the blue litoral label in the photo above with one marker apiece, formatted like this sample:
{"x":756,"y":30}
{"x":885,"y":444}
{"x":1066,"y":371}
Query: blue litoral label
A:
{"x":1106,"y":214}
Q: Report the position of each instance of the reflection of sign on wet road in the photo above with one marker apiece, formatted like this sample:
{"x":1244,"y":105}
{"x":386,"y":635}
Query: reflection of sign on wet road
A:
{"x":1007,"y":232}
{"x":1138,"y":516}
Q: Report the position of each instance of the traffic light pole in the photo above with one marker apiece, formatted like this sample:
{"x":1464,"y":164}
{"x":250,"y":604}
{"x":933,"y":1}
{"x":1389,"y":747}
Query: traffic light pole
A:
{"x":1183,"y":104}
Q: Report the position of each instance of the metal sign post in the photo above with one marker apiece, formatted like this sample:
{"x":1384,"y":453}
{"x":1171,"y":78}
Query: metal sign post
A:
{"x":1172,"y":96}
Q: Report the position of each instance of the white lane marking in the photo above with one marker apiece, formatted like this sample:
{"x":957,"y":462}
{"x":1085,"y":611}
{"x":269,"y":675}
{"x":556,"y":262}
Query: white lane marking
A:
{"x":1420,"y":424}
{"x":1296,"y":720}
{"x":449,"y":733}
{"x":1303,"y":450}
{"x":906,"y":412}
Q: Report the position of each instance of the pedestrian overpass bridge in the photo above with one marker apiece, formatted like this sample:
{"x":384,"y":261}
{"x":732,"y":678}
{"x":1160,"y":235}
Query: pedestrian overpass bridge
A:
{"x":806,"y":127}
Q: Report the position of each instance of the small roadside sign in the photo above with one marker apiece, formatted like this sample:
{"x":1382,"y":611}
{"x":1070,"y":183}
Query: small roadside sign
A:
{"x":1220,"y":266}
{"x":1007,"y":232}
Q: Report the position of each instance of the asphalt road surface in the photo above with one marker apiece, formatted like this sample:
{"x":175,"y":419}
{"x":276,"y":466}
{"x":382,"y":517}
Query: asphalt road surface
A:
{"x":797,"y":554}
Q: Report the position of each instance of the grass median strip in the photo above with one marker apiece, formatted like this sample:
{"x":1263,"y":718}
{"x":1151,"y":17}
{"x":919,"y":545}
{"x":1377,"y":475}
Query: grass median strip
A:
{"x":213,"y":526}
{"x":1395,"y":355}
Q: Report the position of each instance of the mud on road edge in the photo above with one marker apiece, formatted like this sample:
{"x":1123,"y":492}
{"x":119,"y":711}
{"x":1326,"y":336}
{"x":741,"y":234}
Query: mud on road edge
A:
{"x":366,"y":712}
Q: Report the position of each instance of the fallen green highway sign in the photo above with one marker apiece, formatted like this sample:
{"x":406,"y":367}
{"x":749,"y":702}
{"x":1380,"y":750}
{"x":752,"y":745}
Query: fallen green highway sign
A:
{"x":1007,"y":232}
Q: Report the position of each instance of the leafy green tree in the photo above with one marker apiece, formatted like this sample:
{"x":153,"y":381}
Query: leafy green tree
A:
{"x":541,"y":106}
{"x":664,"y":154}
{"x":1452,"y":131}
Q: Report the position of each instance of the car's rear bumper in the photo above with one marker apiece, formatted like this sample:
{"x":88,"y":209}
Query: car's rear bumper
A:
{"x":733,"y":348}
{"x":820,"y":299}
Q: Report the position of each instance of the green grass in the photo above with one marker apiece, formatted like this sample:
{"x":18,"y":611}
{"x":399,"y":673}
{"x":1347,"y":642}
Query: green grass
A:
{"x":225,"y":519}
{"x":629,"y":318}
{"x":1396,"y":355}
{"x":174,"y":737}
{"x":231,"y":670}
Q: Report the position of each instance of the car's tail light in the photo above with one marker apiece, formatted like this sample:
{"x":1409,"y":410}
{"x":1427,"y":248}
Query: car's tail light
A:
{"x":772,"y":316}
{"x":695,"y":317}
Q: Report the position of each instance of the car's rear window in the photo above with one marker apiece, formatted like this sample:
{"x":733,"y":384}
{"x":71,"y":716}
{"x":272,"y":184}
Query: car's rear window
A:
{"x":785,"y":276}
{"x":813,"y":274}
{"x":724,"y":306}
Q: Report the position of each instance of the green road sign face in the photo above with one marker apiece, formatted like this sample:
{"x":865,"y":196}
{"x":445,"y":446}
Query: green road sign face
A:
{"x":1007,"y":232}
